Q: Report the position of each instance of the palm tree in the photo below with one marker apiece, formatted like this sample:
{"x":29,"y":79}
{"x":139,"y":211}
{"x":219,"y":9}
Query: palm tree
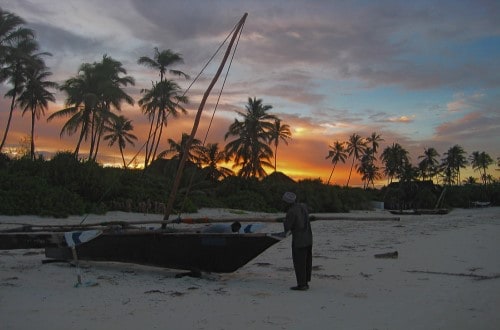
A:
{"x":119,"y":132}
{"x":162,"y":99}
{"x":370,"y":174}
{"x":481,"y":161}
{"x":250,"y":149}
{"x":162,"y":60}
{"x":470,"y":180}
{"x":158,"y":103}
{"x":429,"y":163}
{"x":109,"y":86}
{"x":373,"y":141}
{"x":178,"y":148}
{"x":16,"y":60}
{"x":355,"y":147}
{"x":454,"y":160}
{"x":35,"y":98}
{"x":211,"y":156}
{"x":91,"y":96}
{"x":395,"y":159}
{"x":368,"y":170}
{"x":408,"y":173}
{"x":337,"y":153}
{"x":81,"y":103}
{"x":279,"y":132}
{"x":490,"y":179}
{"x":11,"y":34}
{"x":17,"y":45}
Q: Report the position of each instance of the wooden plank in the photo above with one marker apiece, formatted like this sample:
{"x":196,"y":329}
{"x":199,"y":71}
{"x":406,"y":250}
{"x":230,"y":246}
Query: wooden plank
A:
{"x":193,"y":220}
{"x":352,"y":218}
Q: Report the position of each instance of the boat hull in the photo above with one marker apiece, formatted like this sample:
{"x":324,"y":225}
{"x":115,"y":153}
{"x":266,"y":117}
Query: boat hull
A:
{"x":220,"y":252}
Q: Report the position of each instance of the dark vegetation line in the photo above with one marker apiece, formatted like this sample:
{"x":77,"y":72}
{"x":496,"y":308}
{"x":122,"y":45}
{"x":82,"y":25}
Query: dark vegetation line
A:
{"x":65,"y":186}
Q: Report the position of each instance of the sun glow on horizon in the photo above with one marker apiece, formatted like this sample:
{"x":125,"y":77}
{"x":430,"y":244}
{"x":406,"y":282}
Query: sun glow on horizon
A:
{"x":299,"y":130}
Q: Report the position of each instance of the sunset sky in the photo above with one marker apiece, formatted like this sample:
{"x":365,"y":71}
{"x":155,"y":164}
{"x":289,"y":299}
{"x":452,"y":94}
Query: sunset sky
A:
{"x":420,"y":73}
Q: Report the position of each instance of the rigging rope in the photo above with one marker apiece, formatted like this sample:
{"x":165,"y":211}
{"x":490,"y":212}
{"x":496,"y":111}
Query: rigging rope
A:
{"x":184,"y":94}
{"x":188,"y":88}
{"x":213,"y":114}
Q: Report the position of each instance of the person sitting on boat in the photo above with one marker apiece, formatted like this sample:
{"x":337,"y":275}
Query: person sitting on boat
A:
{"x":298,"y":225}
{"x":223,"y":228}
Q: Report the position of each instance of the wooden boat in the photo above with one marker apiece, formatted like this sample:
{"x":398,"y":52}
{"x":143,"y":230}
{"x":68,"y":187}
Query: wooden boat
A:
{"x":163,"y":247}
{"x":208,"y":252}
{"x":186,"y":250}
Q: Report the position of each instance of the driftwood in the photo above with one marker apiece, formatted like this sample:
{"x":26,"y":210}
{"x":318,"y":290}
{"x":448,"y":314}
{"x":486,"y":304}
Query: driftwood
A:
{"x":474,"y":276}
{"x":389,"y":255}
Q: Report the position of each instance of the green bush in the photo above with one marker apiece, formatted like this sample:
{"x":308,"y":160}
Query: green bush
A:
{"x":246,"y":200}
{"x":4,"y":161}
{"x":65,"y":185}
{"x":33,"y":195}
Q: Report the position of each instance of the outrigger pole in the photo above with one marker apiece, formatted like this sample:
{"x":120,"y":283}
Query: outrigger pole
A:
{"x":180,"y":169}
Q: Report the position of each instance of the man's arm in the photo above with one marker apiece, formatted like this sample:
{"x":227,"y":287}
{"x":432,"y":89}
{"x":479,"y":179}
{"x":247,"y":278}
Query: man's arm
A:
{"x":289,"y":222}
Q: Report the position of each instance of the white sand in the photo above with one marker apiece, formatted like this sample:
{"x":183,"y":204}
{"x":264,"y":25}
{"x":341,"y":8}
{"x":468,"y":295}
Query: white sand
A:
{"x":350,"y":288}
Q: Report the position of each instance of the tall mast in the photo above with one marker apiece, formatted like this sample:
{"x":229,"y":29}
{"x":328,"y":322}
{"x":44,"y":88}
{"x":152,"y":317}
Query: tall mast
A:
{"x":180,"y":169}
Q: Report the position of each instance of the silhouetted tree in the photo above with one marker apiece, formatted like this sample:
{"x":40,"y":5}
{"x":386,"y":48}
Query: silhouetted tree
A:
{"x":355,"y":147}
{"x":119,"y":132}
{"x":455,"y":159}
{"x":163,"y":99}
{"x":17,"y":54}
{"x":210,"y":157}
{"x":251,"y":149}
{"x":35,"y":98}
{"x":279,"y":132}
{"x":481,"y":161}
{"x":337,"y":153}
{"x":429,"y":164}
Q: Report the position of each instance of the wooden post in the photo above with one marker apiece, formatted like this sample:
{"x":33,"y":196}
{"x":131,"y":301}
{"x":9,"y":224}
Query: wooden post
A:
{"x":78,"y":273}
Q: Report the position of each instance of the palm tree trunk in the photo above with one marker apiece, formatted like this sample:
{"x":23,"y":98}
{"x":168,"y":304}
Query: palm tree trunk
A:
{"x":123,"y":157}
{"x":98,"y":142}
{"x":8,"y":122}
{"x":158,"y":140}
{"x":350,"y":172}
{"x":32,"y":151}
{"x":275,"y":155}
{"x":331,"y":173}
{"x":93,"y":129}
{"x":148,"y":141}
{"x":80,"y":139}
{"x":153,"y":142}
{"x":93,"y":143}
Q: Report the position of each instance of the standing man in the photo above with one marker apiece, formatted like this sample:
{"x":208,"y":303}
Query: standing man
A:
{"x":297,"y":223}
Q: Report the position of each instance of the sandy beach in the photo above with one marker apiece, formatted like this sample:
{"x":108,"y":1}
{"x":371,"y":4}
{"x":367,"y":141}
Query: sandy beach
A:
{"x":445,"y":276}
